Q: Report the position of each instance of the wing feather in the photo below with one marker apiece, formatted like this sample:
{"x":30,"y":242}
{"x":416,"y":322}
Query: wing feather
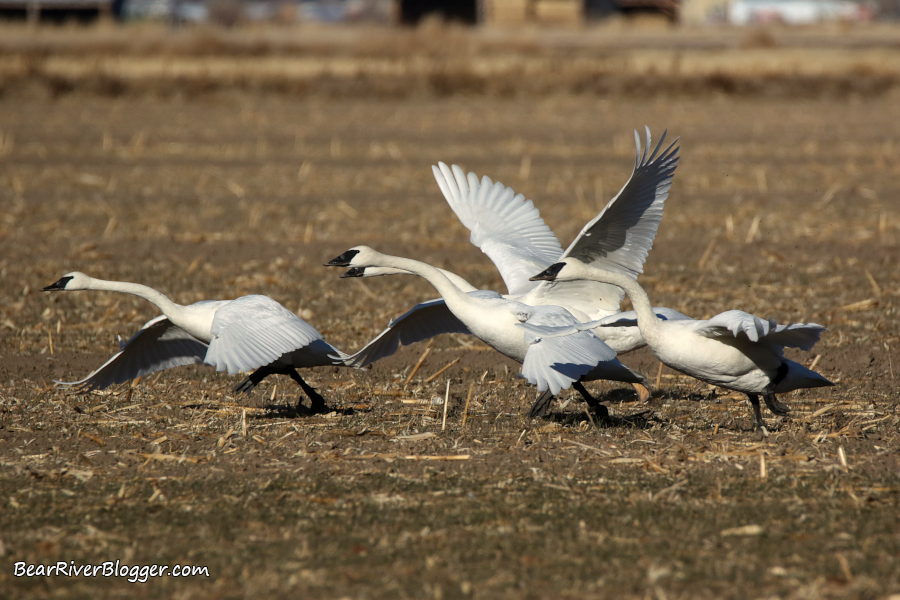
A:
{"x":157,"y":346}
{"x":503,"y":224}
{"x":620,"y":237}
{"x":740,"y":324}
{"x":254,"y":331}
{"x":421,"y":322}
{"x":555,"y":362}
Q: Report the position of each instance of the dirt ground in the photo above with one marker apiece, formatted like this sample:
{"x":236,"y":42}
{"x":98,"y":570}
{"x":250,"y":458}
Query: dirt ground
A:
{"x":786,"y":205}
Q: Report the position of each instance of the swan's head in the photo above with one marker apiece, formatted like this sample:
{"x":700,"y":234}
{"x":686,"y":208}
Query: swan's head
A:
{"x":358,"y":256}
{"x":551,"y":273}
{"x":567,"y":269}
{"x":69,"y":282}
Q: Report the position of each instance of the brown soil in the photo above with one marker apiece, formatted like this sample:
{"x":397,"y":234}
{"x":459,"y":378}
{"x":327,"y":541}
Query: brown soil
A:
{"x":783,"y":205}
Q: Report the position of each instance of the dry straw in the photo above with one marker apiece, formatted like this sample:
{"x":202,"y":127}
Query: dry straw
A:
{"x":415,"y":369}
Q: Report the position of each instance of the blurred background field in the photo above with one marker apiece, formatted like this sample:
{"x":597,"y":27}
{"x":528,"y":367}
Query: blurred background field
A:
{"x":212,"y":162}
{"x":442,"y":60}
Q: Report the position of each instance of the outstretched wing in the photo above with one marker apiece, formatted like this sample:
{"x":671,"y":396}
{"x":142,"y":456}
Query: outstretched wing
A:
{"x":739,"y":324}
{"x":254,"y":331}
{"x":158,"y":345}
{"x":556,"y":361}
{"x":421,"y":322}
{"x":506,"y":226}
{"x":620,"y":237}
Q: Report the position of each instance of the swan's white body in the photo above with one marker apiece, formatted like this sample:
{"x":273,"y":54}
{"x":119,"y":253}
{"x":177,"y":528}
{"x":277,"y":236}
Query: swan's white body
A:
{"x":734,"y":349}
{"x":551,"y":365}
{"x":231,"y":335}
{"x":509,"y":229}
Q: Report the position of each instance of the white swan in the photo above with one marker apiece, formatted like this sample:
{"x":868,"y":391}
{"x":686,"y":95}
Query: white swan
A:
{"x":252,"y":333}
{"x":510,"y":230}
{"x":432,"y":317}
{"x":734,"y":349}
{"x":550,"y":364}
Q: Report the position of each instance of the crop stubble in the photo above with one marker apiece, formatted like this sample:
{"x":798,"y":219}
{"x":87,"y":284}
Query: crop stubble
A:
{"x":784,"y":205}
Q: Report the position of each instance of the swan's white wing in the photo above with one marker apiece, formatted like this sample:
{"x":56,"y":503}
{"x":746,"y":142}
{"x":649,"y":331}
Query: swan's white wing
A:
{"x":619,"y":238}
{"x":254,"y":331}
{"x":158,"y":345}
{"x":421,"y":322}
{"x":739,"y":324}
{"x":556,"y":361}
{"x":506,"y":226}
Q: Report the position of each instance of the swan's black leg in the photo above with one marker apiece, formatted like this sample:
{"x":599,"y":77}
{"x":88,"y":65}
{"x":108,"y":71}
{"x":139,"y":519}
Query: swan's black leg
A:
{"x":757,"y":415}
{"x":541,"y":406}
{"x":769,"y":394}
{"x":598,"y":409}
{"x":250,"y":382}
{"x":317,"y":402}
{"x":602,"y":412}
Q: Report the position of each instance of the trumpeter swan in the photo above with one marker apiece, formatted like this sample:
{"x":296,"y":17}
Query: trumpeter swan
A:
{"x":733,"y":350}
{"x":509,"y":229}
{"x":550,"y":364}
{"x":252,"y":333}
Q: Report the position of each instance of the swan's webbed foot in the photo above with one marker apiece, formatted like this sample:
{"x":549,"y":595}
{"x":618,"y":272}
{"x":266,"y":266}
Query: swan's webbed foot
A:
{"x":594,"y":405}
{"x":251,"y":381}
{"x":642,"y":392}
{"x":541,"y":406}
{"x":317,"y":405}
{"x":244,"y":387}
{"x":775,"y":406}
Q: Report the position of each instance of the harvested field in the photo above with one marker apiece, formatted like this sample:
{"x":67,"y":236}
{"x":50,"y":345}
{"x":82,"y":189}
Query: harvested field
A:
{"x":189,"y":179}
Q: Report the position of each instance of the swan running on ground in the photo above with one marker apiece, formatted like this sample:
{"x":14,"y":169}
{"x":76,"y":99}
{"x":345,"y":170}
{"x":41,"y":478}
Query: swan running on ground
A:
{"x":552,"y":364}
{"x":509,"y":229}
{"x":252,"y":333}
{"x":733,"y":350}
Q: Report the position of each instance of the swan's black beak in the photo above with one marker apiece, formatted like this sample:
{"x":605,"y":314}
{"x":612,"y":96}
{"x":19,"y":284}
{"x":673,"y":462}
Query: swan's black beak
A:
{"x":355,"y":272}
{"x":59,"y":285}
{"x":548,"y":274}
{"x":343,"y":260}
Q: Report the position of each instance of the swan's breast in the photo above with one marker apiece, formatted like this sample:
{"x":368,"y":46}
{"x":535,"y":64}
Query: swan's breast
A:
{"x":197,"y":318}
{"x":493,"y":321}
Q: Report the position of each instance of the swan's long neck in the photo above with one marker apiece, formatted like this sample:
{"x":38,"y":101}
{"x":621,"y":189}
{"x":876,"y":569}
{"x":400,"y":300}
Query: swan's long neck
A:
{"x":162,"y":302}
{"x":436,"y":277}
{"x":455,"y":279}
{"x":649,"y":324}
